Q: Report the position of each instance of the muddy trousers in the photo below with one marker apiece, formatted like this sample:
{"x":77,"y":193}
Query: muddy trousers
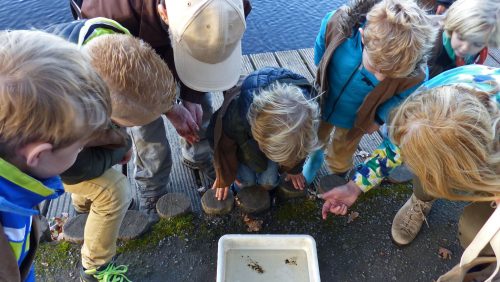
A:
{"x":340,"y":150}
{"x":472,"y":219}
{"x":106,"y":198}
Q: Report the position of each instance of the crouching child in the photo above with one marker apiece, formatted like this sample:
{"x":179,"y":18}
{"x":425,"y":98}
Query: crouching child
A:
{"x":265,"y":127}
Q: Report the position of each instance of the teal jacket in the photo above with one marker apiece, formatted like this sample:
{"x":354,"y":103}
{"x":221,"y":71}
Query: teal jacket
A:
{"x":349,"y":81}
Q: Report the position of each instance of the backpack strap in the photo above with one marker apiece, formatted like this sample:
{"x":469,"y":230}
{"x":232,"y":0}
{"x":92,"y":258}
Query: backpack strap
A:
{"x":489,"y":233}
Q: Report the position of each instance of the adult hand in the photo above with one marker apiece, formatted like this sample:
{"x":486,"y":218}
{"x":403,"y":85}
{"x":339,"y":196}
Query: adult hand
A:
{"x":195,"y":110}
{"x":298,"y":180}
{"x":340,"y":198}
{"x":184,"y":123}
{"x":373,"y":127}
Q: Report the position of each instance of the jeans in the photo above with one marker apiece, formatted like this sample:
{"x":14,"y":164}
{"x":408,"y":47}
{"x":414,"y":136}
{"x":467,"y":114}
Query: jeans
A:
{"x":268,"y":179}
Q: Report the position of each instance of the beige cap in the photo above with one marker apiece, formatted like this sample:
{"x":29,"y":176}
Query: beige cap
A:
{"x":206,"y":39}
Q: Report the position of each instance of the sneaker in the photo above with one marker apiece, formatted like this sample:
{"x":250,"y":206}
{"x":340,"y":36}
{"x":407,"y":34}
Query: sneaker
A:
{"x":409,"y":219}
{"x":148,"y":206}
{"x":106,"y":273}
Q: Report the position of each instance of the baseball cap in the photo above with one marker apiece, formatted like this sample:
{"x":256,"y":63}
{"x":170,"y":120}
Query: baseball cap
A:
{"x":206,"y":39}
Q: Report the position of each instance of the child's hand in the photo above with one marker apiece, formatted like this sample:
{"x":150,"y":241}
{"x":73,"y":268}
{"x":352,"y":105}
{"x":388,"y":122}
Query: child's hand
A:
{"x":340,"y":198}
{"x":220,"y":193}
{"x":298,"y":180}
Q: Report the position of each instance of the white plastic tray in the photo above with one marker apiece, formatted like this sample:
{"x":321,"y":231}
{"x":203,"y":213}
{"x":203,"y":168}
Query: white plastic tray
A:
{"x":245,"y":258}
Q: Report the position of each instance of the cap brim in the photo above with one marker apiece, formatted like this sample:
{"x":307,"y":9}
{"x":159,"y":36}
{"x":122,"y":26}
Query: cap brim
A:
{"x":205,"y":77}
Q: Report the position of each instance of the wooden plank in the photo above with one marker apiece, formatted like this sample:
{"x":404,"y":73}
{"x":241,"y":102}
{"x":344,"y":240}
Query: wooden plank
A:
{"x":308,"y":57}
{"x":247,"y":65}
{"x":264,"y":60}
{"x":293,"y":61}
{"x":182,"y":179}
{"x":490,"y":61}
{"x":370,"y":142}
{"x":495,"y":54}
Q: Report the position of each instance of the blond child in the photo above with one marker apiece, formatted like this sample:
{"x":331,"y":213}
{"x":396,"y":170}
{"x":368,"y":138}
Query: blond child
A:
{"x":266,"y":126}
{"x":468,"y":28}
{"x":370,"y":57}
{"x":51,"y":101}
{"x":142,"y":88}
{"x":448,"y":135}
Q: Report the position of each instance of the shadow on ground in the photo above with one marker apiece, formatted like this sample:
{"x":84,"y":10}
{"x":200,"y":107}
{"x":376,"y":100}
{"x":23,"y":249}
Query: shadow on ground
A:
{"x":185,"y":248}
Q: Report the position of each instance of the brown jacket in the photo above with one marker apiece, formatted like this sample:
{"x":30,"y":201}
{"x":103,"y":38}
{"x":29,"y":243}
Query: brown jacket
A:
{"x":339,"y":28}
{"x":9,"y":270}
{"x":141,"y":18}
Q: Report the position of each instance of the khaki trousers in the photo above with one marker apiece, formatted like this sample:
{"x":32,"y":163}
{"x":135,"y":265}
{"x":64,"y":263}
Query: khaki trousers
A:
{"x":340,"y":150}
{"x":106,"y":198}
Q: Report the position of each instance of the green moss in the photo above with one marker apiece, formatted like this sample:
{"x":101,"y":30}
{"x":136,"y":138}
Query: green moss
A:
{"x":402,"y":190}
{"x":304,"y":210}
{"x":180,"y":226}
{"x":56,"y":255}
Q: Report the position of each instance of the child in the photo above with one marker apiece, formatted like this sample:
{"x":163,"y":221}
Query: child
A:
{"x":469,"y":27}
{"x":448,"y":135}
{"x":51,"y":100}
{"x":366,"y":67}
{"x":266,"y":124}
{"x":142,"y":88}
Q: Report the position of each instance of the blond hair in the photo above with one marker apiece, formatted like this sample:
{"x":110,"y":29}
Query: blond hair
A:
{"x":49,"y":92}
{"x":476,"y":21}
{"x":398,"y":37}
{"x":141,"y":84}
{"x":284,"y":123}
{"x":449,"y":138}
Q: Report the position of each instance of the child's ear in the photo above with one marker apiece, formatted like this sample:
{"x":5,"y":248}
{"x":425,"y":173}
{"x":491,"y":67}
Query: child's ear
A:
{"x":32,"y":152}
{"x":162,"y":11}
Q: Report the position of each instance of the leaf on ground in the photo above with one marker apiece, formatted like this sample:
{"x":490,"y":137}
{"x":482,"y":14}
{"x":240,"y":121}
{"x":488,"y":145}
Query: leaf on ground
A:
{"x":352,"y":216}
{"x":252,"y":224}
{"x":237,"y":201}
{"x":363,"y":154}
{"x":444,"y":253}
{"x":56,"y":226}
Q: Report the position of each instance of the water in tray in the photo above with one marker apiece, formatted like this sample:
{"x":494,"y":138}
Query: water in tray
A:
{"x":243,"y":265}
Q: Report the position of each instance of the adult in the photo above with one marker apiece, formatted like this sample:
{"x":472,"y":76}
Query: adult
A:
{"x":448,"y":135}
{"x":200,"y":40}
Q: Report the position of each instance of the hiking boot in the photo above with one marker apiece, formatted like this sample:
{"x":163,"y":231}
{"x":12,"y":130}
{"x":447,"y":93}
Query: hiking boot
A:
{"x":409,"y":219}
{"x":148,"y":206}
{"x":206,"y":168}
{"x":106,"y":273}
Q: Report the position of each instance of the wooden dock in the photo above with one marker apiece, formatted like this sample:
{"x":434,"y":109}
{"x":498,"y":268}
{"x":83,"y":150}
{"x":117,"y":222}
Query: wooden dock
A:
{"x":187,"y":181}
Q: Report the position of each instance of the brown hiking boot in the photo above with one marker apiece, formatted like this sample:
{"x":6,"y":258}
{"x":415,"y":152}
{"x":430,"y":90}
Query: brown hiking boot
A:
{"x":409,"y":219}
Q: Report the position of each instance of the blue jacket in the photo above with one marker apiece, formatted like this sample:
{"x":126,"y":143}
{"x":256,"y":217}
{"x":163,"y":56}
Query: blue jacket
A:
{"x":19,"y":194}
